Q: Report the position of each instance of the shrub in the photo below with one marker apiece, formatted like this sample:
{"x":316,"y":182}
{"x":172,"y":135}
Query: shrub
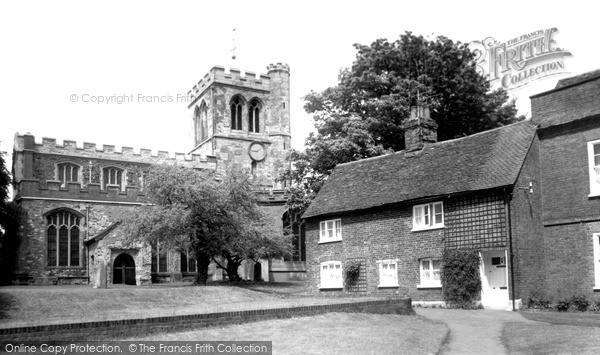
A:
{"x":596,"y":307}
{"x":538,"y":302}
{"x":563,"y":305}
{"x":580,"y":303}
{"x":351,"y":272}
{"x":461,"y":282}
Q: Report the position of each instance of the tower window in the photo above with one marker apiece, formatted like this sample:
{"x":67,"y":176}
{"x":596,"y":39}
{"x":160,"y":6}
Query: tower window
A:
{"x":254,"y":117}
{"x":201,"y":122}
{"x":67,"y":172}
{"x":113,"y":176}
{"x":236,"y":114}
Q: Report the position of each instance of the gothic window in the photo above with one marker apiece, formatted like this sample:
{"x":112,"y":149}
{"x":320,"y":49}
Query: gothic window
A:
{"x":203,"y":121}
{"x":159,"y":258}
{"x":67,"y":172}
{"x":254,"y":116}
{"x":188,"y":262}
{"x":236,"y":114}
{"x":297,"y":231}
{"x":112,"y":176}
{"x":63,"y":239}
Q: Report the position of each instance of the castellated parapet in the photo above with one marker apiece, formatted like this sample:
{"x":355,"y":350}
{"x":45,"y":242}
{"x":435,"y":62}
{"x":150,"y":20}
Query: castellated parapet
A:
{"x":27,"y":142}
{"x":234,"y":77}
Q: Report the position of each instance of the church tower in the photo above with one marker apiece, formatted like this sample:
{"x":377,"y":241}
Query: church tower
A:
{"x":244,"y":120}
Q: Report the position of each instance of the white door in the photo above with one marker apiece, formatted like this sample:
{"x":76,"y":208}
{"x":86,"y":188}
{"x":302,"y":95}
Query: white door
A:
{"x":494,"y":279}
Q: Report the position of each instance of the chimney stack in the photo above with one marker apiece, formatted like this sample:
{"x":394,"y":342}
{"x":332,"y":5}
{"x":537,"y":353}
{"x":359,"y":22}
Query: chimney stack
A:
{"x":419,"y":129}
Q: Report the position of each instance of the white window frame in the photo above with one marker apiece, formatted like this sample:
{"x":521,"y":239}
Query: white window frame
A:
{"x":336,"y":233}
{"x":426,"y":282}
{"x":422,"y":216}
{"x":594,"y":171}
{"x":331,"y":277}
{"x":387,"y":277}
{"x":596,"y":248}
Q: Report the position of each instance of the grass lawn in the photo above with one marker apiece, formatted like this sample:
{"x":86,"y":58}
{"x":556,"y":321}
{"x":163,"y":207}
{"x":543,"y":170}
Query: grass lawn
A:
{"x":331,"y":333}
{"x":561,"y":333}
{"x":36,"y":305}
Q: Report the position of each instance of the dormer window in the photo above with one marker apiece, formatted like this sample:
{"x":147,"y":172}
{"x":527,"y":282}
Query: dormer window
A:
{"x":112,"y":176}
{"x":254,"y":117}
{"x":594,"y":167}
{"x":67,"y":172}
{"x":236,"y":114}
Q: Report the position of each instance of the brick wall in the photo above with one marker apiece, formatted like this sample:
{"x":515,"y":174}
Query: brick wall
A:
{"x":566,"y":104}
{"x":565,"y":174}
{"x":476,"y":220}
{"x":569,"y":267}
{"x":527,"y":230}
{"x":134,"y":327}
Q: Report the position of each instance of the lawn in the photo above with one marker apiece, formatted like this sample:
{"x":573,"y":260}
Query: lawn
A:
{"x":36,"y":305}
{"x":555,"y":333}
{"x":331,"y":333}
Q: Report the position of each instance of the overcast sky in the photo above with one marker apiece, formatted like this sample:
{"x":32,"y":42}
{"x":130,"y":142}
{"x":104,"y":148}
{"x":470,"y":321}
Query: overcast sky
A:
{"x":52,"y":50}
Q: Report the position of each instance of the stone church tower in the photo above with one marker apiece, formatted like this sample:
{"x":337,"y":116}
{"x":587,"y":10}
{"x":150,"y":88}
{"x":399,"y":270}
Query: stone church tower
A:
{"x":244,"y":120}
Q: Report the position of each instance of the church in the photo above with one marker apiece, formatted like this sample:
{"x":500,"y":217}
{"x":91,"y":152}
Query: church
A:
{"x":73,"y":194}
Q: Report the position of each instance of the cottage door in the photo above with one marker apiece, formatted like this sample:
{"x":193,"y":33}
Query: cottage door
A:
{"x":494,"y":279}
{"x":124,"y":270}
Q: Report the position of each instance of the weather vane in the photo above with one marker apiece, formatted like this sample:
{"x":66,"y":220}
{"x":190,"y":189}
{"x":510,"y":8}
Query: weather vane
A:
{"x":233,"y":47}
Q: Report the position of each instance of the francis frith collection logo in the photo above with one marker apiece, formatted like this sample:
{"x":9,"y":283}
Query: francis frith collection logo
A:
{"x":521,"y":60}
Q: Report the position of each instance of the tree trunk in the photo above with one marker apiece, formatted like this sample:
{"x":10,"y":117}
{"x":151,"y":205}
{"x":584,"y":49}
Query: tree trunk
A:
{"x":203,"y":261}
{"x":233,"y":263}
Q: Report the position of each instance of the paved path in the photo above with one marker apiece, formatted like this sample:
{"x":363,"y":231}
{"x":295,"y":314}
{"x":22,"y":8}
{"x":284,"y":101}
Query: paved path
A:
{"x":473,"y":332}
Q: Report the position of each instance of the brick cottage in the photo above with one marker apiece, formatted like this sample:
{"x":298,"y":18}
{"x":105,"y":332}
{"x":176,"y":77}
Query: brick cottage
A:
{"x":526,"y":196}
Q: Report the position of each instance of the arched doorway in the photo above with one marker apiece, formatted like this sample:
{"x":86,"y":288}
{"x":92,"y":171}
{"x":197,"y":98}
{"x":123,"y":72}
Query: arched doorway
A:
{"x":124,"y":270}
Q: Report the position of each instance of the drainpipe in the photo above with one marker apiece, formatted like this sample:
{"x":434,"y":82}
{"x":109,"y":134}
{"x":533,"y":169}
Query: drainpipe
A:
{"x":87,"y":237}
{"x":510,"y":245}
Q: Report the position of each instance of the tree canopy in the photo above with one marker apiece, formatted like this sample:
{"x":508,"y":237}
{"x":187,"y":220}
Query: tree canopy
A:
{"x":218,"y":220}
{"x":10,"y":214}
{"x":362,"y":115}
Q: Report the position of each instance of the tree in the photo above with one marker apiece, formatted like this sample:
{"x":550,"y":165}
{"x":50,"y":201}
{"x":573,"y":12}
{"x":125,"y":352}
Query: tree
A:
{"x":191,"y":209}
{"x":10,"y":216}
{"x":362,"y":116}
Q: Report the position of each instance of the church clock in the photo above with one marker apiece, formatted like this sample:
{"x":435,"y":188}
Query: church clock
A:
{"x":257,"y":151}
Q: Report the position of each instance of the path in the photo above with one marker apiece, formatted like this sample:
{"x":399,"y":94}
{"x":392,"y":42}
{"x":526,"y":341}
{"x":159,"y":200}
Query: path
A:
{"x":473,"y":331}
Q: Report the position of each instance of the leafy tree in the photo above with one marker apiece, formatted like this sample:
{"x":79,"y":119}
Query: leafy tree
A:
{"x":191,"y":209}
{"x":362,"y":116}
{"x":10,"y":214}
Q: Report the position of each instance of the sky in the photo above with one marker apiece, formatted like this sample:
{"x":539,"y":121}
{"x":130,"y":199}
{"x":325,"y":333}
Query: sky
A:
{"x":58,"y":54}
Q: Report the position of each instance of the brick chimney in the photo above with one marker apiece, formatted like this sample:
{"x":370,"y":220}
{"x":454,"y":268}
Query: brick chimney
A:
{"x":419,"y":129}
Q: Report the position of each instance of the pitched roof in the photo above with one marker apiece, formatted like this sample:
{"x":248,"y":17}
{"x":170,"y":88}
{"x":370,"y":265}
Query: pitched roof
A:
{"x":106,"y":231}
{"x":482,"y":161}
{"x":577,"y":79}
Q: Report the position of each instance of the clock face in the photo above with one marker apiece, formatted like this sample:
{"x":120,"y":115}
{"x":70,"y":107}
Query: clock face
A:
{"x":257,"y":151}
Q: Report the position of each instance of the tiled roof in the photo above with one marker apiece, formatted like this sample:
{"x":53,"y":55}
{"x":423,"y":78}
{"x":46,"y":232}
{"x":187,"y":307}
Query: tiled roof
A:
{"x":577,"y":79}
{"x":106,"y":231}
{"x":482,"y":161}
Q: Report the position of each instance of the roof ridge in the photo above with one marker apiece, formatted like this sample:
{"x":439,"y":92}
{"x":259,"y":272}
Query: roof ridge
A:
{"x":453,"y":140}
